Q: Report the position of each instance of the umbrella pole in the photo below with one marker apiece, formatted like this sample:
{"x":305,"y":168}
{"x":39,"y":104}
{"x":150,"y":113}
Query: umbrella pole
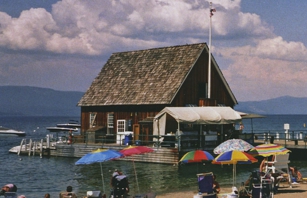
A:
{"x":136,"y":177}
{"x":104,"y":189}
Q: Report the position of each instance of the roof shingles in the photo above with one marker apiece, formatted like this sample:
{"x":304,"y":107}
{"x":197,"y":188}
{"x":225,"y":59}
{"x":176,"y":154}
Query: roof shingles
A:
{"x":149,"y":76}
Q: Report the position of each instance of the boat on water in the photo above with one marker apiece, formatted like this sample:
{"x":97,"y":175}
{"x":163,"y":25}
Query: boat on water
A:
{"x":10,"y":132}
{"x":73,"y":126}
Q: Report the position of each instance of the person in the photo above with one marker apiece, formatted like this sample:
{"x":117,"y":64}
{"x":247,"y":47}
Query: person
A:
{"x":120,"y":184}
{"x":8,"y":188}
{"x":297,"y":176}
{"x":68,"y":192}
{"x":265,"y":162}
{"x":241,"y":127}
{"x":21,"y":196}
{"x":47,"y":195}
{"x":69,"y":141}
{"x":216,"y":186}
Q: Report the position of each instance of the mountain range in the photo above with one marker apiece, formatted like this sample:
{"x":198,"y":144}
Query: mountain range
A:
{"x":35,"y":101}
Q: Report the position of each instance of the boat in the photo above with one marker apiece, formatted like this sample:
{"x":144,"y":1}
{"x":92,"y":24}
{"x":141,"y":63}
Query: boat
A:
{"x":7,"y":132}
{"x":73,"y":126}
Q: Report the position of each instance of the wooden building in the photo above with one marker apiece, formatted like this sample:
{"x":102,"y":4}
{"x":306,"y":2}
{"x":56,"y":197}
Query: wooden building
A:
{"x":132,"y":87}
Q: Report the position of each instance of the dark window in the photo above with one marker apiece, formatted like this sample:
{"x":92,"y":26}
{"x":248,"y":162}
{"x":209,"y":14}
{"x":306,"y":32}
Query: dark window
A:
{"x":202,"y":90}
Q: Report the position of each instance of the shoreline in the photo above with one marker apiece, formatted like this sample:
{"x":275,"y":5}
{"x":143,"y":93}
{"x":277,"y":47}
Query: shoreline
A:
{"x":297,"y":191}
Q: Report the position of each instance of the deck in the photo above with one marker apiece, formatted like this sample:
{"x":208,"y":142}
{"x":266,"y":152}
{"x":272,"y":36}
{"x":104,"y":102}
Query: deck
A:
{"x":164,"y":155}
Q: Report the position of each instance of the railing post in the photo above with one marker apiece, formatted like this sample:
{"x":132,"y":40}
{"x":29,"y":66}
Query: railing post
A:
{"x":179,"y":143}
{"x":277,"y":136}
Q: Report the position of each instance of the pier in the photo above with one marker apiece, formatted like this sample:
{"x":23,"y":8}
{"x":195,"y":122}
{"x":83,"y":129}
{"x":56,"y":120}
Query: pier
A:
{"x":166,"y":152}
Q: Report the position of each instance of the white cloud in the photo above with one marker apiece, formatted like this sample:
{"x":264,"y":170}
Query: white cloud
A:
{"x":91,"y":27}
{"x":262,"y":64}
{"x":269,"y":69}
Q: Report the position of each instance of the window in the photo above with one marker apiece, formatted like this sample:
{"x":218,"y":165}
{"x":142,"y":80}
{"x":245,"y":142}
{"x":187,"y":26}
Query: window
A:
{"x":111,"y":120}
{"x":121,"y":125}
{"x":93,"y":119}
{"x":202,"y":90}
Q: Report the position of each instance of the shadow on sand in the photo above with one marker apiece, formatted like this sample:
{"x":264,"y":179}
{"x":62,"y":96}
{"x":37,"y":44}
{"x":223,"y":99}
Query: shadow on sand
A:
{"x":294,"y":189}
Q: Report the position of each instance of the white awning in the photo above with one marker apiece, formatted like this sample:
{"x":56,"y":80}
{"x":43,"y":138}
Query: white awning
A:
{"x":196,"y":115}
{"x":201,"y":115}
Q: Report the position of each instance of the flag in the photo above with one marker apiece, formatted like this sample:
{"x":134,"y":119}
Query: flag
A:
{"x":211,"y":12}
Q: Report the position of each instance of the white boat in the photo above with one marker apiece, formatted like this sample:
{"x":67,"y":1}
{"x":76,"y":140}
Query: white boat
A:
{"x":71,"y":126}
{"x":8,"y":132}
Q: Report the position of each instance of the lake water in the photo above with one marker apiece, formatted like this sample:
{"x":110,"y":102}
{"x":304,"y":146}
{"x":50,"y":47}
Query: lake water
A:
{"x":35,"y":176}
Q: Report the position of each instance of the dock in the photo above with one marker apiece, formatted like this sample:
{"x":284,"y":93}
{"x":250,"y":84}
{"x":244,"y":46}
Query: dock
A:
{"x":163,"y":155}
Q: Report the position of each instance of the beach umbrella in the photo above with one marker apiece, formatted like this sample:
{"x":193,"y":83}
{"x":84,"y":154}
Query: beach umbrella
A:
{"x":267,"y":150}
{"x":196,"y":156}
{"x":135,"y":150}
{"x":99,"y":156}
{"x":233,"y":144}
{"x":234,"y":157}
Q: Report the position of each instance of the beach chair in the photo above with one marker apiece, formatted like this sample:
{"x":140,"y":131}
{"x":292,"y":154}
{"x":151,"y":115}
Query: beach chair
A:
{"x":280,"y":165}
{"x":10,"y":195}
{"x":205,"y":184}
{"x":267,"y":186}
{"x":93,"y":194}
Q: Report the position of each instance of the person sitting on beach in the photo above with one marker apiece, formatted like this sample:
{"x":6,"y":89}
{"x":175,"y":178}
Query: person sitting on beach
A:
{"x":47,"y":195}
{"x":8,"y":188}
{"x":68,"y":193}
{"x":216,"y":186}
{"x":120,"y":184}
{"x":265,"y":163}
{"x":295,"y":173}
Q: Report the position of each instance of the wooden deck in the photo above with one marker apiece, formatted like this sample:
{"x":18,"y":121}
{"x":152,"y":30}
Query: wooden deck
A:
{"x":77,"y":150}
{"x":162,"y":155}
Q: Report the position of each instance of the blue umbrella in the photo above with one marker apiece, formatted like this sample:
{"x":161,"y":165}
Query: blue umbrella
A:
{"x":99,"y":155}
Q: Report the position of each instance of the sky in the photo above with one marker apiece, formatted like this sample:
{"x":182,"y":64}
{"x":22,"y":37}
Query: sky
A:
{"x":260,"y":45}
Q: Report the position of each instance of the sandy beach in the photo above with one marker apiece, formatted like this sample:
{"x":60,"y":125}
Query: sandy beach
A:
{"x":297,"y":191}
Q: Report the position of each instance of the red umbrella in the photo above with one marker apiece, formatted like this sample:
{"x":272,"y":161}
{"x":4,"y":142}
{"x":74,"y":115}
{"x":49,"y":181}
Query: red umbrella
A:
{"x":136,"y":150}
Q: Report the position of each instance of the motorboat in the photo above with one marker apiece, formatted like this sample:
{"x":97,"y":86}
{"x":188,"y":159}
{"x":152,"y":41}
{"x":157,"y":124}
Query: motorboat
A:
{"x":7,"y":132}
{"x":73,"y":126}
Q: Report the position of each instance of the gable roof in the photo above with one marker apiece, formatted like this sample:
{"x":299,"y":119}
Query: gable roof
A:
{"x":144,"y":77}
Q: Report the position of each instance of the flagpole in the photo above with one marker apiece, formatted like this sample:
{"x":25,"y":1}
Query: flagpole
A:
{"x":209,"y":64}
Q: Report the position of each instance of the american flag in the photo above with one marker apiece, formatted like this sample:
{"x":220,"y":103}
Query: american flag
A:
{"x":211,"y":12}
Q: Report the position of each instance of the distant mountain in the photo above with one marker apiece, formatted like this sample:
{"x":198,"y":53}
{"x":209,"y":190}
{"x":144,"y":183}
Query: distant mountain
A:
{"x":34,"y":101}
{"x":280,"y":105}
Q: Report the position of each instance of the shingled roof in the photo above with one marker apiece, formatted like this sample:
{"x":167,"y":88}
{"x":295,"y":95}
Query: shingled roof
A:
{"x":151,"y":76}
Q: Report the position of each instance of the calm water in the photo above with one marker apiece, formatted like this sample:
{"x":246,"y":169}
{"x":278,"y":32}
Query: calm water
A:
{"x":35,"y":176}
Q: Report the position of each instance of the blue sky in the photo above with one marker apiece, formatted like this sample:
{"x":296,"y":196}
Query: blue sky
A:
{"x":259,"y":45}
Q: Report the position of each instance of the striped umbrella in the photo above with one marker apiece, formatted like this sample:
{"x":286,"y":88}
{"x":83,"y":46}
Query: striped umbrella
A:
{"x":196,"y":156}
{"x":267,"y":150}
{"x":234,"y":157}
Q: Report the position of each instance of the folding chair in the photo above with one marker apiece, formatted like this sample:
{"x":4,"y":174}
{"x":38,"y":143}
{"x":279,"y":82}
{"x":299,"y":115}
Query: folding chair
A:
{"x":205,"y":184}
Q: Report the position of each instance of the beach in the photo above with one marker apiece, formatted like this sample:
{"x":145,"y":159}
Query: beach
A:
{"x":297,"y":191}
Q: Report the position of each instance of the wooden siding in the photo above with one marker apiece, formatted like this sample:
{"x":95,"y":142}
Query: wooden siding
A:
{"x":137,"y":85}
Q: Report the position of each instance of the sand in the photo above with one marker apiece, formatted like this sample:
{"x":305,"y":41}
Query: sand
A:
{"x":297,"y":191}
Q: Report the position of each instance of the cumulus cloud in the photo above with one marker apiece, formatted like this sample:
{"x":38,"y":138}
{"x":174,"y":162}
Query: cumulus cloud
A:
{"x":96,"y":27}
{"x":271,"y":68}
{"x":80,"y":35}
